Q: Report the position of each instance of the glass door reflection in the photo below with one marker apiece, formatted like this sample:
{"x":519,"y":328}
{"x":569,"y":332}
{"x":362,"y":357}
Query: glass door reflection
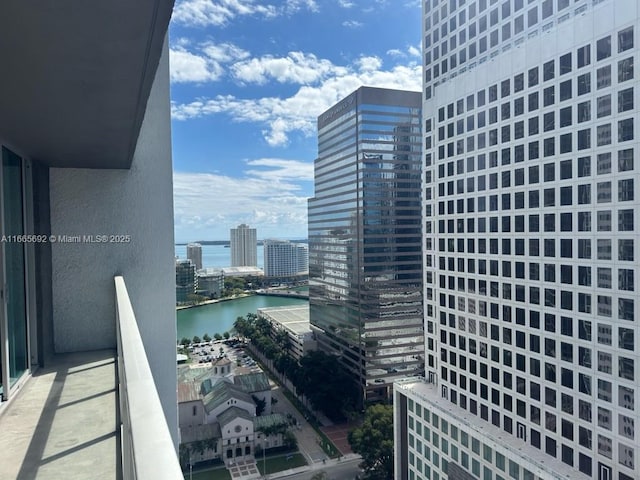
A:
{"x":13,"y":263}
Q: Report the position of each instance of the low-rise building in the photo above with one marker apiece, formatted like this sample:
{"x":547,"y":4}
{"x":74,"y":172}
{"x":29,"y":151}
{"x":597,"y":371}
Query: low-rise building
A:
{"x":218,"y":417}
{"x":242,"y":272}
{"x":210,"y":282}
{"x":295,"y":321}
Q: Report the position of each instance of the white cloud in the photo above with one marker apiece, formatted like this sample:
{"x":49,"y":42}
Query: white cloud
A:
{"x":369,"y":64}
{"x":346,"y":3}
{"x":267,"y":197}
{"x":293,"y":6}
{"x":352,"y":24}
{"x":203,"y":13}
{"x":189,"y":67}
{"x":395,"y":52}
{"x":296,"y":67}
{"x":203,"y":63}
{"x":299,"y":112}
{"x":414,"y":51}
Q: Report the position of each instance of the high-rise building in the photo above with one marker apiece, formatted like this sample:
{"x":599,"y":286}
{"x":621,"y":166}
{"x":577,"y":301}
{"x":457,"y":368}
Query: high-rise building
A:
{"x":531,"y":248}
{"x":244,"y":246}
{"x":365,"y":262}
{"x":283,"y":258}
{"x":186,"y":280}
{"x":194,"y":253}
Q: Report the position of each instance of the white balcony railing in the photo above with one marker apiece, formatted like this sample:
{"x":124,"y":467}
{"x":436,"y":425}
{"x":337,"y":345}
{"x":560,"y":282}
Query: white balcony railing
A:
{"x":147,"y":449}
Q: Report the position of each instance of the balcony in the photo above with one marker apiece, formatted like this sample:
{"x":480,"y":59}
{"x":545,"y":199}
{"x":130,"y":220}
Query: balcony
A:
{"x":90,"y":415}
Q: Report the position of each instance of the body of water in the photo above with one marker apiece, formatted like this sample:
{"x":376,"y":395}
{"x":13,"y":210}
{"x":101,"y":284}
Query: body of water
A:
{"x":216,"y":256}
{"x":219,"y":317}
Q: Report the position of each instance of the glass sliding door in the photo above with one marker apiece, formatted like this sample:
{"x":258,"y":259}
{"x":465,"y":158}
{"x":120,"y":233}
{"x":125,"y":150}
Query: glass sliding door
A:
{"x":14,"y":331}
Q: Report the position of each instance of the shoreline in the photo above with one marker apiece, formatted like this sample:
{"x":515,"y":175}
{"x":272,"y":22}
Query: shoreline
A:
{"x":216,"y":300}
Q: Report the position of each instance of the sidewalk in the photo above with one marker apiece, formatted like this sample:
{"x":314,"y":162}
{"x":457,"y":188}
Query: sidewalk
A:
{"x":315,"y":466}
{"x":308,"y":439}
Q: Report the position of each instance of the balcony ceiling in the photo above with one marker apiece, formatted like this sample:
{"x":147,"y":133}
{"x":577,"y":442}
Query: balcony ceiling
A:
{"x":75,"y":76}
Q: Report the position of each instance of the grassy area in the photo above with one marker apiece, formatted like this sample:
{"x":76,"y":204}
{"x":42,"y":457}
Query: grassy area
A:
{"x":220,"y":473}
{"x":273,"y":464}
{"x":282,"y":462}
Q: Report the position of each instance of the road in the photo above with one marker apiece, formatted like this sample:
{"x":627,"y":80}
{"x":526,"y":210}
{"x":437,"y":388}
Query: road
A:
{"x":335,"y":469}
{"x":308,"y":439}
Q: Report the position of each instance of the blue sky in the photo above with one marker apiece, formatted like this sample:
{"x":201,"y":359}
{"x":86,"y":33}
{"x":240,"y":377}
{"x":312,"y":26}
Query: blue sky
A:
{"x":248,"y":81}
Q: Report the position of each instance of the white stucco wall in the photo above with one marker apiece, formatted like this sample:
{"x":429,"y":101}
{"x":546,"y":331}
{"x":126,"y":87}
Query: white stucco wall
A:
{"x":136,"y":202}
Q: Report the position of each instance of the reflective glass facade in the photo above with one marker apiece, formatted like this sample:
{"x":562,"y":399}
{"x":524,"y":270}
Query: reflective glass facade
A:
{"x":365,"y":261}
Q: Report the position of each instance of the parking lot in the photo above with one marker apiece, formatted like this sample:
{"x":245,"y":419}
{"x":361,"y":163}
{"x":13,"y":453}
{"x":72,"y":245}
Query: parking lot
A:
{"x":208,"y":352}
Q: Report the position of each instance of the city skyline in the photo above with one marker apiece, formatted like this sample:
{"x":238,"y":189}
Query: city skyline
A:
{"x":249,"y":80}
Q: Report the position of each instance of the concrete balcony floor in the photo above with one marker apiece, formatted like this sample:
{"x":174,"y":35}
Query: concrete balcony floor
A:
{"x":63,"y":422}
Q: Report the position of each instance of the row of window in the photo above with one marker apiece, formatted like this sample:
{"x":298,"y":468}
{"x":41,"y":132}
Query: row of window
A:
{"x":494,"y":246}
{"x":566,"y":196}
{"x":603,"y":164}
{"x":564,"y":116}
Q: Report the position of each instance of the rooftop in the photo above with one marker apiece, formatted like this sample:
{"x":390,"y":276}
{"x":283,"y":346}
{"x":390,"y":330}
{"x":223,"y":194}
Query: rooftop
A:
{"x":295,"y":319}
{"x":536,"y":461}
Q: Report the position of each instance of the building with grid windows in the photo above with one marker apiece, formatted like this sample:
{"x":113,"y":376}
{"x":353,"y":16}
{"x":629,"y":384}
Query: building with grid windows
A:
{"x":365,"y":265}
{"x":194,"y":253}
{"x":531,"y":134}
{"x":244,"y":246}
{"x":283,"y":258}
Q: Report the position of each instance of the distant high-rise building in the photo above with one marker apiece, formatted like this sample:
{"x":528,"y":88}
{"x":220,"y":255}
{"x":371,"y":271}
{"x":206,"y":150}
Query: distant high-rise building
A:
{"x":194,"y":253}
{"x":531,"y":247}
{"x":244,"y":246}
{"x":365,"y":262}
{"x":283,"y":258}
{"x":186,"y":280}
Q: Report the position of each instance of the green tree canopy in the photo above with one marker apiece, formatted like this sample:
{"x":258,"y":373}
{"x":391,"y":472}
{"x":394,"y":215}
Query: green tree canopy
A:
{"x":327,"y":384}
{"x":374,"y":442}
{"x":206,"y":337}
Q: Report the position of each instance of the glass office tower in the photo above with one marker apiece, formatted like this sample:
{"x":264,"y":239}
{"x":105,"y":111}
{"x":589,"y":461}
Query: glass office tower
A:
{"x":531,"y":134}
{"x":365,"y":263}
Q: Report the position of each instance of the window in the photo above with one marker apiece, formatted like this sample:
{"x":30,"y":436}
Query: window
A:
{"x":625,"y":220}
{"x":603,"y":134}
{"x":565,"y":64}
{"x":604,"y":220}
{"x":584,"y":166}
{"x":603,"y":48}
{"x":532,"y":76}
{"x":625,"y":130}
{"x":625,"y":69}
{"x":625,"y":190}
{"x":625,"y":160}
{"x":584,"y":112}
{"x":625,"y":39}
{"x":584,"y":84}
{"x":584,"y":56}
{"x":548,"y":70}
{"x":603,"y":77}
{"x":549,"y":96}
{"x":603,"y":106}
{"x":625,"y":100}
{"x":565,"y":116}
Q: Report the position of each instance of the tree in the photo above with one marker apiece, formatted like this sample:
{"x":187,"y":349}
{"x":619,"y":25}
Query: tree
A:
{"x":226,"y":335}
{"x":217,"y":336}
{"x":374,"y":442}
{"x":185,"y":341}
{"x":261,"y":404}
{"x":206,"y":337}
{"x":327,"y":384}
{"x":196,"y":339}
